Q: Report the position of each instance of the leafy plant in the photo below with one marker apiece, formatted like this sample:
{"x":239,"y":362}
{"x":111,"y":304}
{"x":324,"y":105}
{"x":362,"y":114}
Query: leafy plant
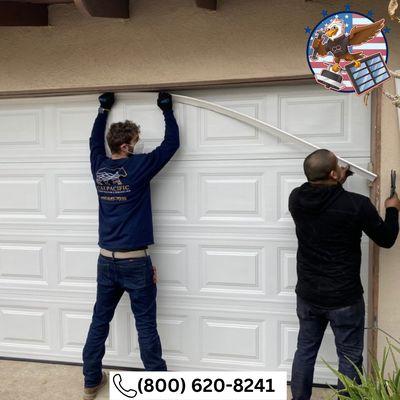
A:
{"x":378,"y":385}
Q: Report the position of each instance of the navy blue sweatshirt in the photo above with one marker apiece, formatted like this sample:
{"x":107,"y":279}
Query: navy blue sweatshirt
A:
{"x":329,"y":224}
{"x":123,"y":187}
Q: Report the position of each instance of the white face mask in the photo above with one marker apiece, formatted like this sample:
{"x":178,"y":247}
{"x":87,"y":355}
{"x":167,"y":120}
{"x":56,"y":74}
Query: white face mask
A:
{"x":138,"y":148}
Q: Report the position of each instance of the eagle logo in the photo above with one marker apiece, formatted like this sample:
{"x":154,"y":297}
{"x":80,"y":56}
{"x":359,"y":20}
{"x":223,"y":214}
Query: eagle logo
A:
{"x":338,"y":42}
{"x":342,"y":49}
{"x":109,"y":176}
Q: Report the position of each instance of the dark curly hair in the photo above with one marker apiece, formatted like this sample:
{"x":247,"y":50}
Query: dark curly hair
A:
{"x":121,"y":133}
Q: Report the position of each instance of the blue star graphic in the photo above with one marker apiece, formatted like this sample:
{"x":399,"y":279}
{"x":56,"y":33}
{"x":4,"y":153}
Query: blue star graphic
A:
{"x":347,"y":7}
{"x":324,"y":13}
{"x":386,"y":30}
{"x":307,"y":29}
{"x":370,"y":13}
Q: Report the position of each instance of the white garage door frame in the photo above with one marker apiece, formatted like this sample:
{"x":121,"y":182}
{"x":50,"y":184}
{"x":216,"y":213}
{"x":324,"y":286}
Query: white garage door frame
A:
{"x":375,"y":158}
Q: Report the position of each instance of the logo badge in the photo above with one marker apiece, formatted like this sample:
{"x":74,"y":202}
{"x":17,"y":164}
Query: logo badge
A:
{"x":347,"y":52}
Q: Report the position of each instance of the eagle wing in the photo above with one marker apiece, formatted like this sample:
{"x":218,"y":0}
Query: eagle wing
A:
{"x":362,"y":33}
{"x":319,"y":47}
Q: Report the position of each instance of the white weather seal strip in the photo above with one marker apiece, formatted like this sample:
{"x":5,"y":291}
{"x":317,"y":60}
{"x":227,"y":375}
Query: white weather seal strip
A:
{"x":265,"y":127}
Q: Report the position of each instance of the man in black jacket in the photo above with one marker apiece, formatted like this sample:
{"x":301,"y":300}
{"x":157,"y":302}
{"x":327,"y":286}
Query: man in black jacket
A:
{"x":329,"y":223}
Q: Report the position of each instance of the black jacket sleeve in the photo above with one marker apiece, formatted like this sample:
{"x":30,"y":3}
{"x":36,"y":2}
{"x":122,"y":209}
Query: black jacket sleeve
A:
{"x":383,"y":233}
{"x":96,"y":142}
{"x":154,"y":161}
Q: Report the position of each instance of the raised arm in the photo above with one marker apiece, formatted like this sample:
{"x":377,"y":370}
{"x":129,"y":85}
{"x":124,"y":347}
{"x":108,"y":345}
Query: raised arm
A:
{"x":96,"y":141}
{"x":154,"y":161}
{"x":383,"y":233}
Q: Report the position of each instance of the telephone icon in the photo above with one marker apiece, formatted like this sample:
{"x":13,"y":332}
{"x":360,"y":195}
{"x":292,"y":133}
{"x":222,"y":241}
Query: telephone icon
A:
{"x":130,"y":393}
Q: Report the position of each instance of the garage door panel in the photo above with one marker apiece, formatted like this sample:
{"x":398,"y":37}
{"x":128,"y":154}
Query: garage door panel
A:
{"x":76,"y":197}
{"x":21,"y":128}
{"x":231,"y":197}
{"x":172,"y":261}
{"x":77,"y":265}
{"x":73,"y":125}
{"x":172,"y":329}
{"x":23,"y":263}
{"x":315,"y":118}
{"x":286,"y":267}
{"x":23,"y":196}
{"x":75,"y":325}
{"x":286,"y":182}
{"x":227,"y":340}
{"x":232,"y":269}
{"x":13,"y":331}
{"x":170,"y":197}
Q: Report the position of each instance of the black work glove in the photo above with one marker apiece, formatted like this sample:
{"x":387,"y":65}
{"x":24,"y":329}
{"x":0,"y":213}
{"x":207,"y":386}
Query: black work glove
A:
{"x":164,"y":101}
{"x":107,"y":100}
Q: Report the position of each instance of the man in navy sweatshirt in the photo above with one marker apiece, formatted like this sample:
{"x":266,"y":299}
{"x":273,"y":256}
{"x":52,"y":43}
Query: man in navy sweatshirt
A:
{"x":329,"y":223}
{"x":125,"y":231}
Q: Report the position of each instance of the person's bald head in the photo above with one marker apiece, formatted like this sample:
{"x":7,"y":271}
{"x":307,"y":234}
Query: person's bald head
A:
{"x":319,"y":165}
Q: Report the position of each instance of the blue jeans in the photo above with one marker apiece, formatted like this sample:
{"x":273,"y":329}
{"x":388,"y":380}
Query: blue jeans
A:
{"x":347,"y":324}
{"x":134,"y":275}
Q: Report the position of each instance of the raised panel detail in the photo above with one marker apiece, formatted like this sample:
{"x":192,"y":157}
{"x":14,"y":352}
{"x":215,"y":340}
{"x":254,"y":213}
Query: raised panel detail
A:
{"x":168,"y":197}
{"x":78,"y":264}
{"x":20,"y":127}
{"x":171,"y":262}
{"x":76,"y":197}
{"x":15,"y":321}
{"x":74,"y":125}
{"x":313,"y":116}
{"x":287,"y":276}
{"x":22,"y":263}
{"x":227,"y":270}
{"x":75,"y":326}
{"x":230,"y":339}
{"x":22,"y":196}
{"x":228,"y":197}
{"x":172,"y":330}
{"x":286,"y":183}
{"x":233,"y":131}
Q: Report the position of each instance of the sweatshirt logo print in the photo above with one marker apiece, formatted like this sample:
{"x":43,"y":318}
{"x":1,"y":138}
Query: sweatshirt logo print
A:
{"x":108,"y":176}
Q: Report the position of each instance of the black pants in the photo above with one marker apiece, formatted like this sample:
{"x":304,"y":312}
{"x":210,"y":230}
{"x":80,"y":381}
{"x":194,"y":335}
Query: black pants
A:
{"x":347,"y":324}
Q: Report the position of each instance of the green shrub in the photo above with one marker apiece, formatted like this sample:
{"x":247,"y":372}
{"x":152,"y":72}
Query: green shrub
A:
{"x":378,"y":385}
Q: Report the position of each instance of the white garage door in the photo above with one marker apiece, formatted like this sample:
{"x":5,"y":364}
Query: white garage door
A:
{"x":225,"y":241}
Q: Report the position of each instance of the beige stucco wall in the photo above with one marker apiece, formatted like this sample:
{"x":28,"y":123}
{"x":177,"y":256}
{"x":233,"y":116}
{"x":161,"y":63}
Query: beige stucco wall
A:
{"x":172,"y":41}
{"x":164,"y":41}
{"x":389,"y":276}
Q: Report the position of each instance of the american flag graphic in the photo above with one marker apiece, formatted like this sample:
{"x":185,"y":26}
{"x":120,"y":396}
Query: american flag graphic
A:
{"x":376,"y":45}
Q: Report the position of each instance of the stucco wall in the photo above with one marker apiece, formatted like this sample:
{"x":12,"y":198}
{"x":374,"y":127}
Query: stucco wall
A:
{"x":164,"y":41}
{"x":172,"y":41}
{"x":389,"y":276}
